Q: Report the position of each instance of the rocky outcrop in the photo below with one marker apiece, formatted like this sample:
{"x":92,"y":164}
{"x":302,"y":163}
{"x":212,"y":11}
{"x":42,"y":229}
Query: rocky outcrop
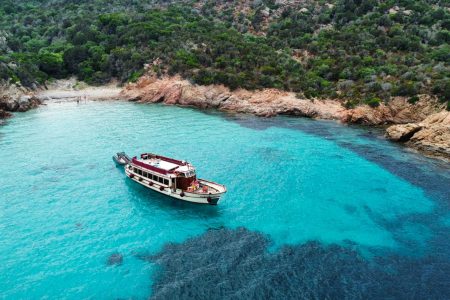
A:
{"x":23,"y":103}
{"x":431,"y":136}
{"x":265,"y":103}
{"x":15,"y":98}
{"x":397,"y":111}
{"x":28,"y":102}
{"x":402,"y":133}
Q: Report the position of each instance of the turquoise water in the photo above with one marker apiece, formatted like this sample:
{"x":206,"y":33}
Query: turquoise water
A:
{"x":65,"y":207}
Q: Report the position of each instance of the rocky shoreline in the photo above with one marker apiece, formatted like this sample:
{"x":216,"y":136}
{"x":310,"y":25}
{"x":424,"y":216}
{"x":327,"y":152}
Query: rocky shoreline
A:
{"x":424,"y":126}
{"x":272,"y":102}
{"x":263,"y":103}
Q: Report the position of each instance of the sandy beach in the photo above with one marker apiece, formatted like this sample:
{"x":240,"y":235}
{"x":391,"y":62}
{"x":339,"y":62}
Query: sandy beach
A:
{"x":89,"y":93}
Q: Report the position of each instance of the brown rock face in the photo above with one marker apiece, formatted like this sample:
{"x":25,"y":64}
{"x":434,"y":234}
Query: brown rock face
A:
{"x":265,"y":103}
{"x":21,"y":104}
{"x":434,"y":138}
{"x":396,"y":111}
{"x":402,"y":133}
{"x":272,"y":102}
{"x":431,"y":136}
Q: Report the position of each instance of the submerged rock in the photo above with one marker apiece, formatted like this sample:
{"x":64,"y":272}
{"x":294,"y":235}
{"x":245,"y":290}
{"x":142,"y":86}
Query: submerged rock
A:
{"x":235,"y":264}
{"x":115,"y":259}
{"x":4,"y":114}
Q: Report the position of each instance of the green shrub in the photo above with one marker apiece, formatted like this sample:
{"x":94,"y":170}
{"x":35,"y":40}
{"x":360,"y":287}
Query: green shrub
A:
{"x":413,"y":99}
{"x":373,"y":101}
{"x":350,"y":104}
{"x":135,"y":76}
{"x":407,"y":88}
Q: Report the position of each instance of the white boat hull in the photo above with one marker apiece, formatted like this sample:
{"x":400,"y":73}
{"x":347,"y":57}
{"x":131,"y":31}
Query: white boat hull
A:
{"x":206,"y":198}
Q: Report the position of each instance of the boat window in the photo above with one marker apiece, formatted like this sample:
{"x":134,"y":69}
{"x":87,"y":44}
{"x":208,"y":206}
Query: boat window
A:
{"x":135,"y":170}
{"x":160,"y":179}
{"x":189,"y":174}
{"x":144,"y":174}
{"x":139,"y":171}
{"x":155,"y":178}
{"x":166,"y":181}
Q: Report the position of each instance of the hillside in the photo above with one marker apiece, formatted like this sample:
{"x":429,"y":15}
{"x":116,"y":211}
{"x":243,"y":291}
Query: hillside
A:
{"x":358,"y":51}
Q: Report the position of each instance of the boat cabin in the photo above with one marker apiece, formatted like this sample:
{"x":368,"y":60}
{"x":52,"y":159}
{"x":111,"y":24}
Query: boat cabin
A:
{"x":164,"y":171}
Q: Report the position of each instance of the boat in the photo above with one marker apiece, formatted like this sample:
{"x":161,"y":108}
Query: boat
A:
{"x":121,"y":158}
{"x":172,"y":177}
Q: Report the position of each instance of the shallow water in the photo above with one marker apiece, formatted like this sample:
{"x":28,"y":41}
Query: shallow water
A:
{"x":65,"y":207}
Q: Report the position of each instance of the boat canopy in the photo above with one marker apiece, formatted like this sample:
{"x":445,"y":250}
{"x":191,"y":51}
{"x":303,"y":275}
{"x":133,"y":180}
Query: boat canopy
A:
{"x":164,"y":165}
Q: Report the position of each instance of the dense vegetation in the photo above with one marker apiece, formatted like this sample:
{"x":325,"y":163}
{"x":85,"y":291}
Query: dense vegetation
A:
{"x":353,"y":49}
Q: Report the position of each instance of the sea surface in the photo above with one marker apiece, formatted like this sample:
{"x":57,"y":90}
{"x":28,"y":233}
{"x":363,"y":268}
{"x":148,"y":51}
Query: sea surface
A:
{"x":314,"y":209}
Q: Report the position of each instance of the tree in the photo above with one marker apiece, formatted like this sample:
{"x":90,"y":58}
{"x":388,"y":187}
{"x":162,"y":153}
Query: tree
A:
{"x":51,"y":63}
